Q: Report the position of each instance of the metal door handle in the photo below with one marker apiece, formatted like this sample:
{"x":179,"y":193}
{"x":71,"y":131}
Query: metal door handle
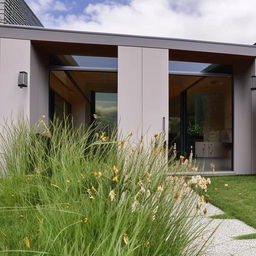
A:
{"x":164,"y":124}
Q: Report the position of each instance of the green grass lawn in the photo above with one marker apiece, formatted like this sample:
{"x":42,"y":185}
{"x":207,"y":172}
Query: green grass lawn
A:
{"x":244,"y":237}
{"x":236,"y":196}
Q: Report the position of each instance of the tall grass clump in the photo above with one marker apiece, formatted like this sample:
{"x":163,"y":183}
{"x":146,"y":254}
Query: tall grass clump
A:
{"x":76,"y":192}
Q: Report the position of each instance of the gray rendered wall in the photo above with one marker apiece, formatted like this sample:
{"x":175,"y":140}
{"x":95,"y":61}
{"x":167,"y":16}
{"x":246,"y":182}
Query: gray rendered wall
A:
{"x":155,"y":91}
{"x":130,"y":91}
{"x":142,"y":91}
{"x":253,"y":93}
{"x":14,"y":57}
{"x":244,"y":152}
{"x":39,"y":87}
{"x":253,"y":132}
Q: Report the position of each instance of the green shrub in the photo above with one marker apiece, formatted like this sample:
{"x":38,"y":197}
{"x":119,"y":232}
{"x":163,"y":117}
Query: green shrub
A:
{"x":74,"y":192}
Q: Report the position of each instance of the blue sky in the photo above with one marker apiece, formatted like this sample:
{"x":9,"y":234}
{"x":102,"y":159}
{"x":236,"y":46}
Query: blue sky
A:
{"x":214,"y":20}
{"x":58,"y":8}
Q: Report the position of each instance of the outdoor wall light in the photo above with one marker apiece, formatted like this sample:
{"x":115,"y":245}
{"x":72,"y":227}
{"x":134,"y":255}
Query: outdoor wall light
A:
{"x":23,"y":79}
{"x":253,"y":87}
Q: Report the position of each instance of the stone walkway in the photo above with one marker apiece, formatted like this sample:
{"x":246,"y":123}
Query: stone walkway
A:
{"x":223,"y":243}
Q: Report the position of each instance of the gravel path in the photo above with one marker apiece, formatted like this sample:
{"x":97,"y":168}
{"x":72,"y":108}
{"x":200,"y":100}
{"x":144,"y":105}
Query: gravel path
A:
{"x":222,"y":243}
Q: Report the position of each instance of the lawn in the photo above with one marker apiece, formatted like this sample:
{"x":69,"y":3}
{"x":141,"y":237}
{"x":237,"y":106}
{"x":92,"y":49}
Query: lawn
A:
{"x":236,"y":196}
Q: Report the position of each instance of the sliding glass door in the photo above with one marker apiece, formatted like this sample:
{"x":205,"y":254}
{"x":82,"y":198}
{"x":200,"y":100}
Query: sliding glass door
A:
{"x":200,"y":110}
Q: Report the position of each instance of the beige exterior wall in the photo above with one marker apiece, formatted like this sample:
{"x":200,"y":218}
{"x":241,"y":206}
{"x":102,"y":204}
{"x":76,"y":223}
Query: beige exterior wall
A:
{"x":39,"y":87}
{"x":155,"y":95}
{"x":253,"y":97}
{"x":142,"y":91}
{"x":253,"y":132}
{"x":130,"y":91}
{"x":14,"y":57}
{"x":244,"y":152}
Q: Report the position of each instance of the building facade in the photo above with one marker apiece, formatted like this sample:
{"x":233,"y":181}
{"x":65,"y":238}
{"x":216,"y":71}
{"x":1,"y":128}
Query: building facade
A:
{"x":17,"y":12}
{"x":200,"y":95}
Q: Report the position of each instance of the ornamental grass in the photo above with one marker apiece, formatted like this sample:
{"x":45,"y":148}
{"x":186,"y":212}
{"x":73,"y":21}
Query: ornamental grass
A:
{"x":77,"y":192}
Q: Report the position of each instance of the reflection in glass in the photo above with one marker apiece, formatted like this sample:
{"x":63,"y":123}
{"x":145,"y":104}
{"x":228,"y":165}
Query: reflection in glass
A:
{"x":83,"y":61}
{"x":198,"y":67}
{"x":106,"y":110}
{"x":187,"y":66}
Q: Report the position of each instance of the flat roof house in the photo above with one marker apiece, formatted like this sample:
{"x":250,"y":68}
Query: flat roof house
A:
{"x":201,"y":94}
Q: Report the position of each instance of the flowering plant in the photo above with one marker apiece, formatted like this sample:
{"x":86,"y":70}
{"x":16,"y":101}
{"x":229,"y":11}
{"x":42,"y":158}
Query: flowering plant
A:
{"x":85,"y":193}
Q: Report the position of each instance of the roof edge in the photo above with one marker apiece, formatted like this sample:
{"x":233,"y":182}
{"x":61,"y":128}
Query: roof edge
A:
{"x":122,"y":35}
{"x":29,"y":32}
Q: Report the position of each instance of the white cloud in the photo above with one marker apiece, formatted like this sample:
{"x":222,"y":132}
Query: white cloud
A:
{"x":60,"y":6}
{"x":44,"y":7}
{"x":40,"y":6}
{"x":214,"y":20}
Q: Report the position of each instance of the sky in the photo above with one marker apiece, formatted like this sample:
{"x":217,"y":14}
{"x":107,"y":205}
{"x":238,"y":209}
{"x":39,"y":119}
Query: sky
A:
{"x":232,"y":21}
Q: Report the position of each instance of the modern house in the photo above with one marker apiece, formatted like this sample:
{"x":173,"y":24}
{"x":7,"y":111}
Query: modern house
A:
{"x":17,"y":12}
{"x":202,"y":95}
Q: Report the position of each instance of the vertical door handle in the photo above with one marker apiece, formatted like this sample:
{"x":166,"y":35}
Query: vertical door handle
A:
{"x":164,"y":124}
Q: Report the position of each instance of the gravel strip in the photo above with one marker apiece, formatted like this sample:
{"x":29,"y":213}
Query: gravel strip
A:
{"x":222,"y":242}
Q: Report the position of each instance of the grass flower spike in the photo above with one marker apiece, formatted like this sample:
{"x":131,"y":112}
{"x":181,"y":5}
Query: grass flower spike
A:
{"x":177,"y":196}
{"x":147,"y":244}
{"x":27,"y":242}
{"x":160,"y":188}
{"x":126,"y":239}
{"x":85,"y":220}
{"x":97,"y":174}
{"x":115,"y":170}
{"x":115,"y":179}
{"x":122,"y":143}
{"x":112,"y":195}
{"x":104,"y":139}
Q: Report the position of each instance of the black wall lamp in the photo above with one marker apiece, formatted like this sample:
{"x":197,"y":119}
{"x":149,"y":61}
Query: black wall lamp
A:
{"x":23,"y":79}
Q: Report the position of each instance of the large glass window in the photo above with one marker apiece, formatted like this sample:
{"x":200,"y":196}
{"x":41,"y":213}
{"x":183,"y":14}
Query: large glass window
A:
{"x":83,"y":95}
{"x":209,"y":122}
{"x":200,"y":110}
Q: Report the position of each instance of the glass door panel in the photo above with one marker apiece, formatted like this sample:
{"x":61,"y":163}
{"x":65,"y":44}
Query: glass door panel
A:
{"x":174,"y":123}
{"x":209,"y":122}
{"x":201,"y":119}
{"x":178,"y":86}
